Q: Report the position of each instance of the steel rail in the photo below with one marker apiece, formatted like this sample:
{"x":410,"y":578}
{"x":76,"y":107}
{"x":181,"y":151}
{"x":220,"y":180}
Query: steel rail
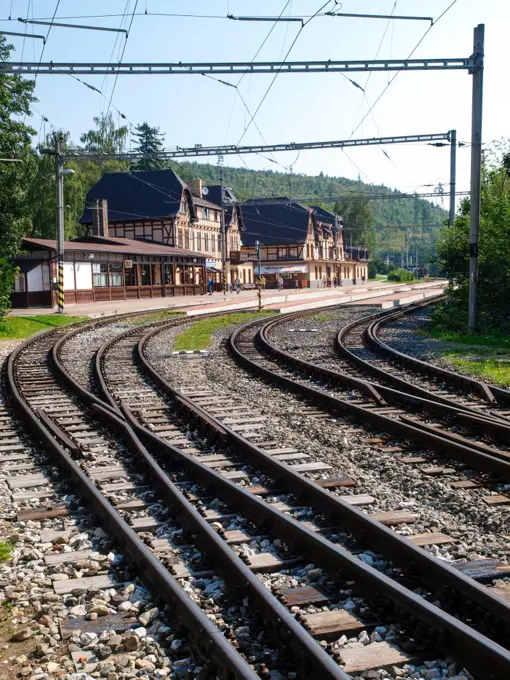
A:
{"x":490,"y":422}
{"x":398,"y":383}
{"x":385,"y":538}
{"x":208,"y":639}
{"x":431,"y":570}
{"x":286,"y":630}
{"x":478,"y":455}
{"x":451,"y":377}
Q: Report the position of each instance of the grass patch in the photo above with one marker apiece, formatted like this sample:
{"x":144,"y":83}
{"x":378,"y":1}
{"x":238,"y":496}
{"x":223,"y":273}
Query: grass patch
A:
{"x":381,"y":277}
{"x":494,"y":339}
{"x":322,"y":318}
{"x":199,"y":334}
{"x":156,"y":316}
{"x":5,"y":550}
{"x":491,"y":369}
{"x":20,"y":327}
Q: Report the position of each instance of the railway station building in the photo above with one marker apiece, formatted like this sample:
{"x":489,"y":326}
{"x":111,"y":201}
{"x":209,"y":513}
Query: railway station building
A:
{"x":101,"y":269}
{"x":150,"y":234}
{"x":158,"y":206}
{"x":302,"y":244}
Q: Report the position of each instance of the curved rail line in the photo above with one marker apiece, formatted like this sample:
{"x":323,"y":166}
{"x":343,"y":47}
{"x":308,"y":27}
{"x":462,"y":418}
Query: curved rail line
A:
{"x":33,"y":356}
{"x":476,"y":396}
{"x":491,"y":394}
{"x":320,"y":550}
{"x":388,"y":409}
{"x":450,"y":635}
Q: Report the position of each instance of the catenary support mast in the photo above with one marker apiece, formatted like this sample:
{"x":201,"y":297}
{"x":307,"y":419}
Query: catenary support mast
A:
{"x":59,"y":168}
{"x":476,"y":172}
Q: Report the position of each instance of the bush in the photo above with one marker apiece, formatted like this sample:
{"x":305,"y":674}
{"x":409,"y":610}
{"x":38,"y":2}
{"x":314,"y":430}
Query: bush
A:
{"x":372,"y":270}
{"x":8,"y":275}
{"x":400,"y":274}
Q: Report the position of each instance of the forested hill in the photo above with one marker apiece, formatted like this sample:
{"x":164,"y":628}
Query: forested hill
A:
{"x":390,"y":217}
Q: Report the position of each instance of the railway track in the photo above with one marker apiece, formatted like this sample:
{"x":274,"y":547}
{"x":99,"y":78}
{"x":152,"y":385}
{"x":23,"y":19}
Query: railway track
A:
{"x":358,"y":344}
{"x":213,"y":503}
{"x":102,"y":457}
{"x":198,"y":429}
{"x":461,"y":434}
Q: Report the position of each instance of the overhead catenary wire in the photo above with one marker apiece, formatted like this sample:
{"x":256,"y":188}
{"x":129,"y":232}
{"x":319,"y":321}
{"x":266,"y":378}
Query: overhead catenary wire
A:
{"x":279,"y":69}
{"x":400,"y":69}
{"x":121,"y":58}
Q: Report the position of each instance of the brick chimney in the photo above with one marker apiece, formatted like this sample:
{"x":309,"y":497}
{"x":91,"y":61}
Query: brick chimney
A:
{"x":100,"y":217}
{"x":195,"y":186}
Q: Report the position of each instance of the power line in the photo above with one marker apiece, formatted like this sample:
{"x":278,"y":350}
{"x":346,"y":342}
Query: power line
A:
{"x":279,"y":70}
{"x":121,"y":58}
{"x":400,"y":69}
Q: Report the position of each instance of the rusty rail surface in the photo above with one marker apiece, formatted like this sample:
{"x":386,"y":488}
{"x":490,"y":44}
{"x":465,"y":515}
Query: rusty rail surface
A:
{"x":491,"y":394}
{"x":458,"y":640}
{"x":209,"y":641}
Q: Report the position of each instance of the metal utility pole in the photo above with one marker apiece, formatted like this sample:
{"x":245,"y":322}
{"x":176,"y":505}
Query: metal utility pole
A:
{"x":259,"y":285}
{"x":476,"y":170}
{"x":223,"y":233}
{"x":415,"y":234}
{"x":257,"y":246}
{"x":59,"y":167}
{"x":453,"y":172}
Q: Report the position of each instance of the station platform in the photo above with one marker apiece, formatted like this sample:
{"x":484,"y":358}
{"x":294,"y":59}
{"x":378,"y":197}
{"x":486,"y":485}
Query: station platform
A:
{"x":379,"y":292}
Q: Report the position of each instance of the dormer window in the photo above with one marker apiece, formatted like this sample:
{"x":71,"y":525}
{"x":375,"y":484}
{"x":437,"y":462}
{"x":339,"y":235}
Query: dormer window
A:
{"x":182,"y":208}
{"x":205,"y":213}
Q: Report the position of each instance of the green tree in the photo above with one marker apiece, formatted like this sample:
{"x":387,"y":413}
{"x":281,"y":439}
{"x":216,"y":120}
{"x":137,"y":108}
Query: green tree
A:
{"x":494,"y":252}
{"x":16,"y":96}
{"x":358,"y":218}
{"x":150,"y":142}
{"x":41,"y":195}
{"x":106,"y":137}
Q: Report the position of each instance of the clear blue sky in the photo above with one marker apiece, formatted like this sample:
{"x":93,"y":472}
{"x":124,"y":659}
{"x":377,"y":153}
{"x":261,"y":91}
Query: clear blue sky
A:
{"x":194,"y":109}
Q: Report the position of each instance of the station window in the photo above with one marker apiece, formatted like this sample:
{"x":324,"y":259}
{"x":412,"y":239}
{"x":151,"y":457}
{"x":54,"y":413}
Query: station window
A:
{"x":282,"y":253}
{"x":199,"y":240}
{"x":293,"y":251}
{"x":130,"y":274}
{"x":168,"y":274}
{"x":187,"y":240}
{"x":145,"y":271}
{"x":206,"y":242}
{"x":116,"y":276}
{"x":100,"y":273}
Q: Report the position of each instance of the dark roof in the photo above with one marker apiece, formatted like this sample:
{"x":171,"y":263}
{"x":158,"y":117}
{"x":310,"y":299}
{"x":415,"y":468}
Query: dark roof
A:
{"x":327,"y":216}
{"x":124,"y":246}
{"x":214,"y":194}
{"x":204,"y":202}
{"x":155,"y":194}
{"x":273,"y":221}
{"x":229,"y":200}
